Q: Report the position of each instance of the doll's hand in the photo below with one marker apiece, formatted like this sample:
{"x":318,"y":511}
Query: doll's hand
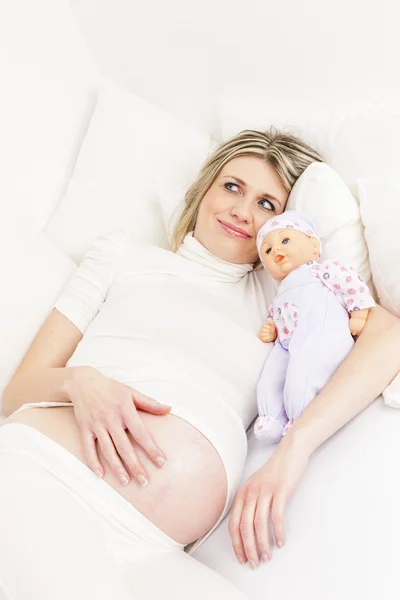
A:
{"x":357,"y":321}
{"x":268,"y":332}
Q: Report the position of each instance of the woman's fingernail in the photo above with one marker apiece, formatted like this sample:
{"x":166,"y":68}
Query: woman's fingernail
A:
{"x":142,"y":480}
{"x":99,"y":473}
{"x":241,"y":560}
{"x":265,"y":558}
{"x":124,"y":480}
{"x":280,"y":544}
{"x":161,"y":461}
{"x":253,"y":564}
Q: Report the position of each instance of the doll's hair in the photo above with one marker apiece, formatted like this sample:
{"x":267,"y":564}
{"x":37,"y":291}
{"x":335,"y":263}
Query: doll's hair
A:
{"x":285,"y":152}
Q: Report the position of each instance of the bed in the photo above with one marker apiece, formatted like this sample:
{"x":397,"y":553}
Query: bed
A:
{"x":80,"y":139}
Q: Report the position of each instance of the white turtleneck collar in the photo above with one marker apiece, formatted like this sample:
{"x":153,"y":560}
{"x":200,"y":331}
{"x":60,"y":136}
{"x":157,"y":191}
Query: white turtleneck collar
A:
{"x":223,"y":270}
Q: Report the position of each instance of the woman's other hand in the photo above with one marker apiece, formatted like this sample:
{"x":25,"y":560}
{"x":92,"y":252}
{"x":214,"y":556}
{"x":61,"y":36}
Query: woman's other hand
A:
{"x":105,"y":409}
{"x":263,"y":498}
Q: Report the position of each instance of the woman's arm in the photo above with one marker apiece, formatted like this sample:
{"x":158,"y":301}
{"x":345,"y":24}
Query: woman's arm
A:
{"x":42,"y":374}
{"x":372,"y":364}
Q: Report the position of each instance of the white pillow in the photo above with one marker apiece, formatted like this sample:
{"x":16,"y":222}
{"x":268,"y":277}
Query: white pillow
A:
{"x":47,"y":80}
{"x":380,"y":211}
{"x":391,"y":396}
{"x":172,"y":190}
{"x":34,"y":272}
{"x":130,"y":147}
{"x":355,"y":139}
{"x":314,"y":126}
{"x":322,"y":195}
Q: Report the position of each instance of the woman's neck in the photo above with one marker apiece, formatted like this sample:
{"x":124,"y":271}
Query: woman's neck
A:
{"x":193,"y":250}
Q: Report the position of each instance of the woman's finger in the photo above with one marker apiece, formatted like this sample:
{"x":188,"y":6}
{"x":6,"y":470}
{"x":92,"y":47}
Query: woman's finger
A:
{"x":143,"y":437}
{"x":125,"y":450}
{"x":234,"y":531}
{"x":247,"y":532}
{"x":90,"y":451}
{"x":148,"y":404}
{"x":261,"y":524}
{"x":277,"y":517}
{"x":110,"y":454}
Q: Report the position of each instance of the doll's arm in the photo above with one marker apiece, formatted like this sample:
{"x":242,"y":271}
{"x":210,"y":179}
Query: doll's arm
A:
{"x":358,"y":318}
{"x":268,"y":332}
{"x":348,"y":287}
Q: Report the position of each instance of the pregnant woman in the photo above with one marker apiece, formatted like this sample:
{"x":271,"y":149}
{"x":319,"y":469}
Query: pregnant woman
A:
{"x":125,"y":432}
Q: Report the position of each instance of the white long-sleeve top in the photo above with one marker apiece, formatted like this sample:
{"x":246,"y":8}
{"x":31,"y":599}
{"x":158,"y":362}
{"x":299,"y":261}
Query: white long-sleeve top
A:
{"x":179,"y":327}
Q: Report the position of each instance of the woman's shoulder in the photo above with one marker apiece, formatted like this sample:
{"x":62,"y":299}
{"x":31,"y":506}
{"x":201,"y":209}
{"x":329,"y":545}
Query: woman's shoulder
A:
{"x":120,"y":243}
{"x":125,"y":254}
{"x":114,"y":241}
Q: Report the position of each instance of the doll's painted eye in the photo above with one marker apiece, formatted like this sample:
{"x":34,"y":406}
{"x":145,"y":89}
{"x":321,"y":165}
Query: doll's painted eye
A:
{"x":268,"y":251}
{"x":285,"y":241}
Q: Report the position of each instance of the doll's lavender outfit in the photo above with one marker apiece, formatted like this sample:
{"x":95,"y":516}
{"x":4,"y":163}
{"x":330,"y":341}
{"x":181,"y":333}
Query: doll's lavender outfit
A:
{"x":310,"y":313}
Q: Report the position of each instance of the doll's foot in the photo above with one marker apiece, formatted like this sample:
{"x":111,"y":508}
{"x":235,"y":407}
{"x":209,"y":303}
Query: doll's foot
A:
{"x":288,"y":426}
{"x":269,"y":429}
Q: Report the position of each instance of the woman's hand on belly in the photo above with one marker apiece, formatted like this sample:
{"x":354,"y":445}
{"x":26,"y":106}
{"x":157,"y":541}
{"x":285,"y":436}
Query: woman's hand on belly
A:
{"x":105,"y":410}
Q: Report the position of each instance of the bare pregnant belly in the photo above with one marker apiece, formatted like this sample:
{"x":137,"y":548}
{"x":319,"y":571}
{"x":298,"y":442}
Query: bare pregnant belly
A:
{"x":184,"y":499}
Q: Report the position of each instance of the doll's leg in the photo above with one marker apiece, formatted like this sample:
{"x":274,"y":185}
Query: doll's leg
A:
{"x":314,"y":357}
{"x":272,"y":419}
{"x":300,"y":387}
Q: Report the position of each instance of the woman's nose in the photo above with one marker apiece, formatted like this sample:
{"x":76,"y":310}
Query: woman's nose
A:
{"x":242,"y":210}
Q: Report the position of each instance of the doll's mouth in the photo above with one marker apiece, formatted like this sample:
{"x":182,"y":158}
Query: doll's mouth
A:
{"x":279,"y":258}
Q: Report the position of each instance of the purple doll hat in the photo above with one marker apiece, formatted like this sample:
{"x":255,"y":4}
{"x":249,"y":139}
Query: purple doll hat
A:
{"x":290,"y":219}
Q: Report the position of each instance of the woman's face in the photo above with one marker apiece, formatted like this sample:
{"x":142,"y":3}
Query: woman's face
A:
{"x":246,"y":193}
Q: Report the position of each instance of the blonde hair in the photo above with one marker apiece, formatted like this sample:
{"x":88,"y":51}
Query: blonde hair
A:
{"x":287,"y":153}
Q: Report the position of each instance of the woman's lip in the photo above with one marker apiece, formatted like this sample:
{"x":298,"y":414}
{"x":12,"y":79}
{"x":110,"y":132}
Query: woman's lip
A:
{"x":232,"y":231}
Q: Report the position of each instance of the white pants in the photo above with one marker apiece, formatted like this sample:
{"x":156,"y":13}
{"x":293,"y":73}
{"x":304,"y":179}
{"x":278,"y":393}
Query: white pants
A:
{"x":66,"y":534}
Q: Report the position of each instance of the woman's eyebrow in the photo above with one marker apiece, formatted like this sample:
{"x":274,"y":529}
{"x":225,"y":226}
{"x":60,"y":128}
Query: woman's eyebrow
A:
{"x":245,"y":185}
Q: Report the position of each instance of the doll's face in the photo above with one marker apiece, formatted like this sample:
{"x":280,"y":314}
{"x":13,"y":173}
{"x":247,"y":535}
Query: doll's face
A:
{"x":284,"y":250}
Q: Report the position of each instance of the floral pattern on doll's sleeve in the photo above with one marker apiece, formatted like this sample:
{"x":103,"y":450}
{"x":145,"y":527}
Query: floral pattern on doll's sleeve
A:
{"x":286,"y":317}
{"x":271,"y":311}
{"x":345,"y":283}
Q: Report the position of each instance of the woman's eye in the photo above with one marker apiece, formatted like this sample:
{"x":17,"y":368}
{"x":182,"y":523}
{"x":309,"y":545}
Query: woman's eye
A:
{"x":285,"y":241}
{"x":229,"y":184}
{"x":266,"y":204}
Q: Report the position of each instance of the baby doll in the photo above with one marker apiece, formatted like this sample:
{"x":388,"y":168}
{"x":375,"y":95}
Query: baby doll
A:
{"x":308,"y":321}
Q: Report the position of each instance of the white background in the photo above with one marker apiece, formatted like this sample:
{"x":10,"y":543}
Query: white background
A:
{"x":183,"y":54}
